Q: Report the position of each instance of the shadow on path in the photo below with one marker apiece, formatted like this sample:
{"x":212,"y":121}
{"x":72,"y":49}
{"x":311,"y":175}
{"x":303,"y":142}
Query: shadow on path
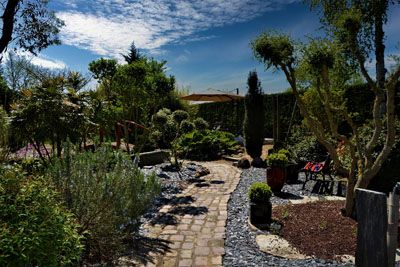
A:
{"x":142,"y":247}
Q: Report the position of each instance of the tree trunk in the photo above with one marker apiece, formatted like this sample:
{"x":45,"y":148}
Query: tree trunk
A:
{"x":8,"y":18}
{"x":350,"y":199}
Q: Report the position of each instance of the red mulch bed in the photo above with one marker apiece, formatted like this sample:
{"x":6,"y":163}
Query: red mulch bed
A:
{"x":318,"y":228}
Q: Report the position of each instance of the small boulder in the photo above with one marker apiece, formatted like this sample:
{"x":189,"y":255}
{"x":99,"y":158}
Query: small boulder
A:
{"x":201,"y":171}
{"x":243,"y":163}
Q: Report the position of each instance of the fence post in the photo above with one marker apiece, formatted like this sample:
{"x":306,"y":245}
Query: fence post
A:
{"x":372,"y":229}
{"x":393,"y":222}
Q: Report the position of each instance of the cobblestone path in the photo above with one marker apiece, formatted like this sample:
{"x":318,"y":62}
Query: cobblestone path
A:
{"x":196,"y":236}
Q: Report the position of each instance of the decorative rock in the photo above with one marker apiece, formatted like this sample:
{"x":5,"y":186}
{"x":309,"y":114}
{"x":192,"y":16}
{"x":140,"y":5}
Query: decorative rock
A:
{"x":153,"y":157}
{"x":277,"y":246}
{"x":348,"y":259}
{"x":243,"y":163}
{"x":202,"y":171}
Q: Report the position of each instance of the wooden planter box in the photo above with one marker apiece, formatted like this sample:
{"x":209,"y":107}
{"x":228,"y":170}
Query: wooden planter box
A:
{"x":260,"y":213}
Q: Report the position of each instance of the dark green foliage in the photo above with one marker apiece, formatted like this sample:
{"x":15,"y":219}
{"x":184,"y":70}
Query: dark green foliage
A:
{"x":160,"y":118}
{"x":103,"y":68}
{"x":7,"y":96}
{"x":107,"y":193}
{"x":273,"y":49}
{"x":186,"y":126}
{"x":277,"y":160}
{"x":254,"y":117}
{"x":230,"y":115}
{"x":227,"y":116}
{"x":205,"y":145}
{"x":260,"y":193}
{"x":133,"y":54}
{"x":180,"y":115}
{"x":304,"y":146}
{"x":200,"y":124}
{"x":35,"y":230}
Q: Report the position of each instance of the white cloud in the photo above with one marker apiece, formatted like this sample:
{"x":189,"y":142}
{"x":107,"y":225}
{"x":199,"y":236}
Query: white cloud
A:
{"x":108,"y":27}
{"x":40,"y":60}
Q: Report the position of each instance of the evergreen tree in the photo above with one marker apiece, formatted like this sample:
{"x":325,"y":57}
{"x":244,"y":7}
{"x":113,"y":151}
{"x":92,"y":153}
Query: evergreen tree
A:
{"x":133,"y":54}
{"x":253,"y":126}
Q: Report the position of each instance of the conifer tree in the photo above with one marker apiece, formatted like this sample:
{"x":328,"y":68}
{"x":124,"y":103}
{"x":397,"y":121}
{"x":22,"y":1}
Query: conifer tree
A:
{"x":253,"y":126}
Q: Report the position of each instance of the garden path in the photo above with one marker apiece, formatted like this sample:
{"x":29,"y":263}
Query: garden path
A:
{"x":196,"y":229}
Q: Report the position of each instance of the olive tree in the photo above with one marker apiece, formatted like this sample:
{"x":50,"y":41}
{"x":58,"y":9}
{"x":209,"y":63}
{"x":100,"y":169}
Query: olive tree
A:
{"x":355,"y":36}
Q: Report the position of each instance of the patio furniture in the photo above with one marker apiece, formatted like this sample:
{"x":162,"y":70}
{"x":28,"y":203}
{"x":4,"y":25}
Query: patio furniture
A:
{"x":320,"y":172}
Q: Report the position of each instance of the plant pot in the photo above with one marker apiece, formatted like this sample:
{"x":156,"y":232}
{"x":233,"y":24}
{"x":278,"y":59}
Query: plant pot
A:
{"x":292,"y":173}
{"x":260,"y":213}
{"x":276,"y":177}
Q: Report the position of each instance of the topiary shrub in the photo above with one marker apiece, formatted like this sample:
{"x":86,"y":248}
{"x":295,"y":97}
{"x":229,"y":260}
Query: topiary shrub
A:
{"x":259,"y":193}
{"x":254,"y":117}
{"x":107,"y":192}
{"x":186,"y":126}
{"x":205,"y":145}
{"x":180,"y":115}
{"x":35,"y":229}
{"x":200,"y":124}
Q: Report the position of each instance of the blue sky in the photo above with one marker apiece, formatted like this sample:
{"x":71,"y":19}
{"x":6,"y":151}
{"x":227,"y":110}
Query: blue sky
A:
{"x":205,"y":43}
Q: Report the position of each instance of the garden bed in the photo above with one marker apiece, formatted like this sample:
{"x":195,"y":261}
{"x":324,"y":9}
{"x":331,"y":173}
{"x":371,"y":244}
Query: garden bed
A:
{"x":318,"y":228}
{"x":240,"y":243}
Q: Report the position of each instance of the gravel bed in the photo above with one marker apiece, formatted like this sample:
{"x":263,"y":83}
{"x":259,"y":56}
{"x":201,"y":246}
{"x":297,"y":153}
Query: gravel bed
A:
{"x":240,"y":245}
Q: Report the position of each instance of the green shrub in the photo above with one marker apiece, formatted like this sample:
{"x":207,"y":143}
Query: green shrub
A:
{"x":205,"y":145}
{"x":186,"y":126}
{"x":277,"y":160}
{"x":200,"y":124}
{"x":305,"y":146}
{"x":107,"y":193}
{"x":180,"y":115}
{"x":160,"y":118}
{"x":260,"y":193}
{"x":4,"y":126}
{"x":35,"y":230}
{"x":254,"y":117}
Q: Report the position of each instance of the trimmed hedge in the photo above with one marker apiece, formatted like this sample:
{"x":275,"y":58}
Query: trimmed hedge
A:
{"x":229,"y":116}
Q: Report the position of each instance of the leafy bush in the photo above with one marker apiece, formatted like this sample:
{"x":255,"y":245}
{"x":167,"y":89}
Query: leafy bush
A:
{"x":205,"y":145}
{"x":107,"y":193}
{"x":277,"y":160}
{"x":260,"y":193}
{"x":186,"y":126}
{"x":3,"y":134}
{"x":304,"y":146}
{"x":200,"y":124}
{"x":35,"y":230}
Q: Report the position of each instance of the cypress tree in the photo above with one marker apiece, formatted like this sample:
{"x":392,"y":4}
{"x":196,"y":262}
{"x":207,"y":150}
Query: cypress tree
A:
{"x":253,"y":126}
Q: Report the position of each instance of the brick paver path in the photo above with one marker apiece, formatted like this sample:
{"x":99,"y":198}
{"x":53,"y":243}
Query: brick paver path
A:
{"x":197,"y":237}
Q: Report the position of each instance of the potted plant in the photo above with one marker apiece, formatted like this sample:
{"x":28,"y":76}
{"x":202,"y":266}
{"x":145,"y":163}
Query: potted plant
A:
{"x":276,"y":173}
{"x":260,"y":203}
